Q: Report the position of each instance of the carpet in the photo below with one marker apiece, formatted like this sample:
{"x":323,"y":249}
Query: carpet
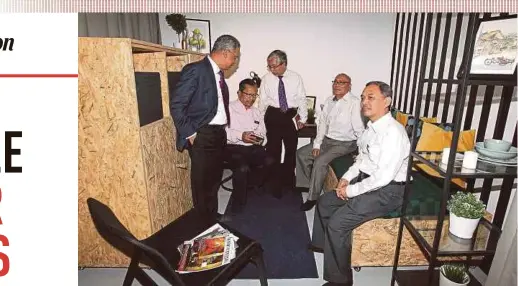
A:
{"x":282,"y":230}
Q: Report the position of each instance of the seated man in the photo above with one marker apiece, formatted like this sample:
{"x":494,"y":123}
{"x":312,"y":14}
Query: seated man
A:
{"x":339,"y":126}
{"x":245,"y":140}
{"x":372,"y":187}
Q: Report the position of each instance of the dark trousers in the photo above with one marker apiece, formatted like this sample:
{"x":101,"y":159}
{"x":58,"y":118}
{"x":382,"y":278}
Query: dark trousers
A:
{"x":207,"y":167}
{"x":281,"y":129}
{"x":335,"y":219}
{"x":250,"y":165}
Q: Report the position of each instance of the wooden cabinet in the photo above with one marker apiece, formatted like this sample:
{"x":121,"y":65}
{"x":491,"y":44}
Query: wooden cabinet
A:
{"x":126,"y":145}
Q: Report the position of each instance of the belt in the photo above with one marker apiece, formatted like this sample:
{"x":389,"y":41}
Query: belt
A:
{"x":289,"y":109}
{"x":362,"y":176}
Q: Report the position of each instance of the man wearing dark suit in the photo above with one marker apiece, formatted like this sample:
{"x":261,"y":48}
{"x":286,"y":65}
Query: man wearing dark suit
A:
{"x":199,"y":107}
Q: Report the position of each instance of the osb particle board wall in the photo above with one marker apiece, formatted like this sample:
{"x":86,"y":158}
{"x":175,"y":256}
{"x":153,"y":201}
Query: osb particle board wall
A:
{"x":133,"y":169}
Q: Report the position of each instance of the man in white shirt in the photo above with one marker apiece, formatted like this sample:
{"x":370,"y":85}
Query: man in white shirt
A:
{"x":372,"y":187}
{"x":338,"y":127}
{"x":245,"y":150}
{"x":283,"y":102}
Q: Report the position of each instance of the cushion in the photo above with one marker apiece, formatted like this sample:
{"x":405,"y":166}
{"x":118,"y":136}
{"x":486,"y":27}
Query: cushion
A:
{"x":435,"y":138}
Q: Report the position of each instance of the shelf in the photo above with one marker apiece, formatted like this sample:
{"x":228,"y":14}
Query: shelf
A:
{"x":483,"y":170}
{"x":410,"y":278}
{"x":482,"y":244}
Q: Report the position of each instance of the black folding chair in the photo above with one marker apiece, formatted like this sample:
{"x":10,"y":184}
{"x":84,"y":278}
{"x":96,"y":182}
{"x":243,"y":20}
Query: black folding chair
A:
{"x":160,"y":253}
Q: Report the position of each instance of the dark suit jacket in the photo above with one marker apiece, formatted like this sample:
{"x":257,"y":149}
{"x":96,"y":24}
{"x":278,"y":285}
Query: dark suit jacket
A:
{"x":194,"y":101}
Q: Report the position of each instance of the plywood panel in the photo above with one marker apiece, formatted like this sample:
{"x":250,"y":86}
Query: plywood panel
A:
{"x":182,"y":160}
{"x":176,"y":63}
{"x":168,"y":199}
{"x":196,"y":57}
{"x":374,"y":244}
{"x":110,"y":158}
{"x":155,"y":62}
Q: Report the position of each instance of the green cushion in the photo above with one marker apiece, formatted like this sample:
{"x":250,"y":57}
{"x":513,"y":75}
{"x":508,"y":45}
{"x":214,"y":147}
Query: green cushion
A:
{"x":341,"y":164}
{"x":424,"y":196}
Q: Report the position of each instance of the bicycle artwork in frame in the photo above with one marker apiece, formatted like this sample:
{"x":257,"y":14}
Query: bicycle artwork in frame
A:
{"x":494,"y":52}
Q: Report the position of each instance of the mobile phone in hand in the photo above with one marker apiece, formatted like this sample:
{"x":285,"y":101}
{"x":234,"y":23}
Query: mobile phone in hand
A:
{"x":258,"y":139}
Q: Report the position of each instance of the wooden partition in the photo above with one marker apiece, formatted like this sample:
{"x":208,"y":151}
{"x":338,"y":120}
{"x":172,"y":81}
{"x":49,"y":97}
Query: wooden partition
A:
{"x":127,"y":154}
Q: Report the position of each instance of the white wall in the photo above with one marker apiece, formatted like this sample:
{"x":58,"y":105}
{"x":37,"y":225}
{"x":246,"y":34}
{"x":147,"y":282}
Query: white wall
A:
{"x":318,"y":46}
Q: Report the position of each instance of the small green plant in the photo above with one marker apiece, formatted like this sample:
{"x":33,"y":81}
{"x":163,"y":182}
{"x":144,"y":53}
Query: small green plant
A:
{"x":455,"y":273}
{"x":177,"y":22}
{"x":466,"y":205}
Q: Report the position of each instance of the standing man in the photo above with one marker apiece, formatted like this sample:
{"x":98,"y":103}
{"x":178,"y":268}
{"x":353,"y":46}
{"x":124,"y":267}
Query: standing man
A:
{"x":283,"y":102}
{"x":372,"y":187}
{"x":245,"y":151}
{"x":199,"y":107}
{"x":339,"y":126}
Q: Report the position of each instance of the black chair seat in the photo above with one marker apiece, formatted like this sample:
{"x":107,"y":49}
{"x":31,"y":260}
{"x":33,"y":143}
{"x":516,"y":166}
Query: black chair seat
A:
{"x":159,"y":251}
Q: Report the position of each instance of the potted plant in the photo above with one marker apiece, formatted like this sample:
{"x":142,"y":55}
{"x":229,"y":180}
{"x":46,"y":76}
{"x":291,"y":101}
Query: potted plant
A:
{"x":178,"y":23}
{"x":453,"y":275}
{"x":465,"y":213}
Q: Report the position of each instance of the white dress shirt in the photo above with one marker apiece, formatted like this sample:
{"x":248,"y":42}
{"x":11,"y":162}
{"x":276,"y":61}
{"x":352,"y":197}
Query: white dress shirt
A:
{"x":221,"y":117}
{"x":340,"y":120}
{"x":243,"y":120}
{"x":383,"y":154}
{"x":295,"y":93}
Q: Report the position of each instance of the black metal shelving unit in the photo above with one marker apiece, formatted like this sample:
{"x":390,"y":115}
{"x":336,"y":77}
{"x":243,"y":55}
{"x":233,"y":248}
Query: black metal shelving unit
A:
{"x":431,"y":233}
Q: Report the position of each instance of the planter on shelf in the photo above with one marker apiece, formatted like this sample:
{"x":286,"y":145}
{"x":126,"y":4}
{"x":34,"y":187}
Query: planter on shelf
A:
{"x":465,"y":213}
{"x":453,"y":275}
{"x":178,"y":23}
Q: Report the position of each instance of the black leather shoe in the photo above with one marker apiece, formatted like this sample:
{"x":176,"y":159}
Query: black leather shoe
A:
{"x":313,"y":248}
{"x":309,"y":204}
{"x":223,"y":218}
{"x":338,"y":284}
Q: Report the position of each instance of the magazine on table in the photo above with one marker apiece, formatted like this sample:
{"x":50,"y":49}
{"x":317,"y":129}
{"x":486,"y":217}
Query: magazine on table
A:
{"x":212,"y":248}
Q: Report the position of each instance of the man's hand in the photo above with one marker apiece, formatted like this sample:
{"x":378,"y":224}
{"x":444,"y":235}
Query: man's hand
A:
{"x":191,"y":139}
{"x":247,"y":137}
{"x":315,"y":152}
{"x":341,"y":189}
{"x":300,"y":125}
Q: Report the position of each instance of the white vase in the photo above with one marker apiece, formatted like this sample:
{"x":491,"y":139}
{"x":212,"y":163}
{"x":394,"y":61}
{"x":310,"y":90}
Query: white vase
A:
{"x":462,"y":227}
{"x":443,"y":281}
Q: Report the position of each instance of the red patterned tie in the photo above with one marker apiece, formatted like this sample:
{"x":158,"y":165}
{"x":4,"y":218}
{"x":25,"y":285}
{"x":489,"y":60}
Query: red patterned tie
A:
{"x":224,"y":91}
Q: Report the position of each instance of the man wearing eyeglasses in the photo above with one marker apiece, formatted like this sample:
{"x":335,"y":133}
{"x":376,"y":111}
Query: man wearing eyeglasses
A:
{"x":245,"y":145}
{"x":339,"y":126}
{"x":283,"y":102}
{"x":199,"y":106}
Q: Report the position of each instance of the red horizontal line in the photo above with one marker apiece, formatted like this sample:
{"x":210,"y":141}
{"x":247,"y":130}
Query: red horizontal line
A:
{"x":38,"y":75}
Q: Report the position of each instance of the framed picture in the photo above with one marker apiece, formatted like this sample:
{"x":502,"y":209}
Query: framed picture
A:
{"x":494,"y":51}
{"x":198,"y":35}
{"x":311,"y":101}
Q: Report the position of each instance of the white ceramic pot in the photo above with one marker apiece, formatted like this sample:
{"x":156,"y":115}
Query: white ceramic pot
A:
{"x":443,"y":281}
{"x":462,"y":227}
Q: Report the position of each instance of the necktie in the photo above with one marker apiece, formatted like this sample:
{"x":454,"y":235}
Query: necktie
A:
{"x":283,"y":103}
{"x":224,"y":91}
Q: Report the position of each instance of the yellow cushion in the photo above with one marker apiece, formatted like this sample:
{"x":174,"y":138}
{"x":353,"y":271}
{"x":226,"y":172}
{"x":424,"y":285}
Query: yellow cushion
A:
{"x":429,"y":119}
{"x":402,"y":118}
{"x":434,"y":138}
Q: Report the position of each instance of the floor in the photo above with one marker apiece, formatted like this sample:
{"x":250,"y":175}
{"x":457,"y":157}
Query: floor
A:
{"x":367,"y":276}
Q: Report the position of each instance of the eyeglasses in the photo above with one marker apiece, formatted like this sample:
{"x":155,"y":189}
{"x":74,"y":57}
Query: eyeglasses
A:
{"x":340,"y":82}
{"x":250,"y":94}
{"x":274,"y":67}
